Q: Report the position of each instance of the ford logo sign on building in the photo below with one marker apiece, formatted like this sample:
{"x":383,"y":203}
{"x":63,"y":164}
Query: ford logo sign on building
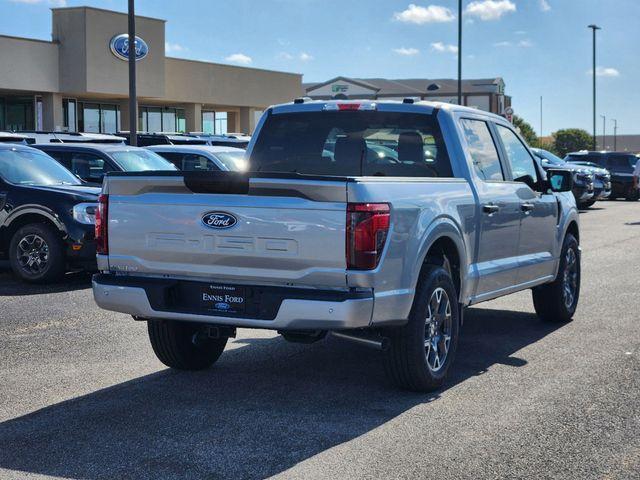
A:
{"x":219,"y":220}
{"x":119,"y":46}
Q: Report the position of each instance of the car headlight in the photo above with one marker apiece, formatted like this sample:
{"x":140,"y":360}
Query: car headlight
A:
{"x":85,"y":213}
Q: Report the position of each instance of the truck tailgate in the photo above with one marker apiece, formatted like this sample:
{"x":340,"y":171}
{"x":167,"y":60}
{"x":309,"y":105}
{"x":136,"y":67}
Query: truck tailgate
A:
{"x":253,"y":230}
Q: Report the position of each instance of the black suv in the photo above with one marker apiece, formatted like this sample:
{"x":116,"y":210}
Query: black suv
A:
{"x":620,"y":164}
{"x":91,"y":162}
{"x":47,"y":216}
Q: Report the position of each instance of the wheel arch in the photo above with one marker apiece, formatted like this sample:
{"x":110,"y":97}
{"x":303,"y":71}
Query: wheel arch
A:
{"x":26,"y":216}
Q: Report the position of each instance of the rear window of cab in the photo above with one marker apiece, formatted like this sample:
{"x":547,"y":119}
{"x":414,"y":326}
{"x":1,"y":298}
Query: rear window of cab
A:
{"x":351,"y":143}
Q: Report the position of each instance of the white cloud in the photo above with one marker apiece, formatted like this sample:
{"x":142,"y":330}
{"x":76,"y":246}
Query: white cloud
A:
{"x":522,"y":43}
{"x":520,"y":32}
{"x":239,"y":58}
{"x":544,"y":6}
{"x":53,"y":3}
{"x":174,"y":48}
{"x":605,"y":72}
{"x":441,"y":47}
{"x":490,"y":9}
{"x":525,"y":43}
{"x":420,"y":15}
{"x":503,"y":44}
{"x":406,"y":52}
{"x":305,"y":57}
{"x":285,"y":56}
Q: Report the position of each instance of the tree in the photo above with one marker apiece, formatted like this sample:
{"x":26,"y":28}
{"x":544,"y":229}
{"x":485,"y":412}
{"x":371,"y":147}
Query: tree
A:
{"x":571,"y":140}
{"x":526,"y":130}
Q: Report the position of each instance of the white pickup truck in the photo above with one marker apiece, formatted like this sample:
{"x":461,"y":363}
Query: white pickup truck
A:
{"x":377,"y":222}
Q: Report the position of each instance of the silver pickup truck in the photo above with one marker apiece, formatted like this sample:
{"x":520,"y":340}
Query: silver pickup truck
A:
{"x":377,"y":222}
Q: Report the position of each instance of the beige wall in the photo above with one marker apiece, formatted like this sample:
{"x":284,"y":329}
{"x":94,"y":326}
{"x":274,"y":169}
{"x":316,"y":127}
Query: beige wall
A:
{"x":28,"y":65}
{"x":86,"y":62}
{"x":211,"y":83}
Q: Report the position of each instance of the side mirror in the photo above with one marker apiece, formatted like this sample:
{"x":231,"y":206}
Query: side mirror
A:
{"x":527,"y":180}
{"x":560,"y":180}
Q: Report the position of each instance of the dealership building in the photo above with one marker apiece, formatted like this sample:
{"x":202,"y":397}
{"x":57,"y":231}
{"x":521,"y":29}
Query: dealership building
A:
{"x":486,"y":94}
{"x":78,"y":81}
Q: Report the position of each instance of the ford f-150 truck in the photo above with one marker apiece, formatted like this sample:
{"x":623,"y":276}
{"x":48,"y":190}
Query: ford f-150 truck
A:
{"x":377,"y":222}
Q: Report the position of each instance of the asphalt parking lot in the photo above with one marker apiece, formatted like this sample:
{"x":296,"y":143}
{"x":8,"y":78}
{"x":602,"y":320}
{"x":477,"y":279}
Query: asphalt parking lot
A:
{"x":83,"y":397}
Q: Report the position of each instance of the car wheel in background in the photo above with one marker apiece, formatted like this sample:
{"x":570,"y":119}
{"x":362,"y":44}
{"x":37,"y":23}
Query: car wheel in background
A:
{"x":36,"y":253}
{"x":557,"y":301}
{"x":184,"y":345}
{"x":421,"y":352}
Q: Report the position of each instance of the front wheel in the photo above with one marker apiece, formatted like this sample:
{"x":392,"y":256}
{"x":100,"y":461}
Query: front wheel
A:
{"x":183,"y":345}
{"x":36,"y":253}
{"x":557,"y":301}
{"x":422,"y":351}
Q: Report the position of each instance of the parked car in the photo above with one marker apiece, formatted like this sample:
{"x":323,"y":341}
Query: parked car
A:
{"x":10,"y":137}
{"x":226,"y":140}
{"x":602,"y":179}
{"x":46,"y":216}
{"x":384,"y":255}
{"x":203,"y":158}
{"x":584,"y":179}
{"x":148,"y":139}
{"x":37,"y":136}
{"x":90,"y":162}
{"x":619,"y":164}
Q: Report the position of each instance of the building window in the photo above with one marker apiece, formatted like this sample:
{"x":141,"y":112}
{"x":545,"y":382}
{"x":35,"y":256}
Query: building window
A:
{"x":208,"y":122}
{"x":39,"y":114}
{"x":161,"y":119}
{"x":221,"y":123}
{"x":69,"y":114}
{"x":98,"y":118}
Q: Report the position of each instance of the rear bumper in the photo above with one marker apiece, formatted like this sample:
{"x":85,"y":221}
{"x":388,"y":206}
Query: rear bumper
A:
{"x":306,"y":309}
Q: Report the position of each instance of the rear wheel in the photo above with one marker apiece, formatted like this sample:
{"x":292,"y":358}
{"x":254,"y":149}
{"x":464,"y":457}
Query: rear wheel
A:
{"x":184,"y":345}
{"x":557,"y":301}
{"x":36,"y":253}
{"x":421,"y":352}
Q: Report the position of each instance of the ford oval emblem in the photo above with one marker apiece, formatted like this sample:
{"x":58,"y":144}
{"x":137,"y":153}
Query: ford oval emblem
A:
{"x":119,"y":46}
{"x":222,"y":306}
{"x":219,"y":220}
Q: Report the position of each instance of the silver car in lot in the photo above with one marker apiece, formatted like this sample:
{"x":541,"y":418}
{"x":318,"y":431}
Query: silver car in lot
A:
{"x":205,"y":158}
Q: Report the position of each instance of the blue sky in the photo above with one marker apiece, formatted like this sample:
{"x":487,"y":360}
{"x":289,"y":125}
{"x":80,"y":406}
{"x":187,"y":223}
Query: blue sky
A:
{"x":539,"y":47}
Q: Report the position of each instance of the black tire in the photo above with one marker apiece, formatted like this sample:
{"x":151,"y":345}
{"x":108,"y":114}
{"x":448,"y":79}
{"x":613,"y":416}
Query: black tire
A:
{"x":632,"y":195}
{"x":36,"y":253}
{"x":407,"y":361}
{"x":181,"y":345}
{"x":589,"y":203}
{"x":550,"y":301}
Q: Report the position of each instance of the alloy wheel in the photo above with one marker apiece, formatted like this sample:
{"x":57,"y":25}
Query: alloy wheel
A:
{"x":570,"y":279}
{"x":33,"y":254}
{"x":438,"y":329}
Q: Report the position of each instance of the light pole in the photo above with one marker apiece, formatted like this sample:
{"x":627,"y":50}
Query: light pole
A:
{"x":459,"y":52}
{"x":615,"y":134}
{"x":594,"y":28}
{"x":604,"y":129}
{"x":133,"y":103}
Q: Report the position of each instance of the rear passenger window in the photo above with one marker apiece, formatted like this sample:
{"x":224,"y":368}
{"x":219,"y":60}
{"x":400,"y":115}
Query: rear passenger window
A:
{"x":482,"y":149}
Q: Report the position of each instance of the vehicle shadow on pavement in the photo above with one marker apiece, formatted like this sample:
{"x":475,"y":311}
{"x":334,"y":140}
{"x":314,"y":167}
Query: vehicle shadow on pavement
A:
{"x":12,"y":286}
{"x":266,"y":406}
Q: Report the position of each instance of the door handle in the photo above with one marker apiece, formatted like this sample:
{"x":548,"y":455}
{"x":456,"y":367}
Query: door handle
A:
{"x":527,"y":207}
{"x":490,"y":208}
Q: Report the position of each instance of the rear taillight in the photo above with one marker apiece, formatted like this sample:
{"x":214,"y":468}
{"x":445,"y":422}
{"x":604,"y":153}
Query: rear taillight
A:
{"x":367,"y":228}
{"x":102,"y":220}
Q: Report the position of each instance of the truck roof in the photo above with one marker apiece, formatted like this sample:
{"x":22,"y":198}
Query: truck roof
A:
{"x":307,"y":104}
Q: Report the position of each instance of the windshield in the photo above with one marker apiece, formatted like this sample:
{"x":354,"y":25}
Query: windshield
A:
{"x":234,"y":161}
{"x":351,"y":143}
{"x":549,"y":157}
{"x":32,"y":167}
{"x":140,"y":161}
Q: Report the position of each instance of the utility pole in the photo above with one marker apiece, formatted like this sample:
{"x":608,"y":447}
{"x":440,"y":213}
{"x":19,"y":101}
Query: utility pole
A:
{"x":133,"y":101}
{"x":604,"y":132}
{"x":540,"y":116}
{"x":459,"y":52}
{"x":615,"y":134}
{"x":594,"y":28}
